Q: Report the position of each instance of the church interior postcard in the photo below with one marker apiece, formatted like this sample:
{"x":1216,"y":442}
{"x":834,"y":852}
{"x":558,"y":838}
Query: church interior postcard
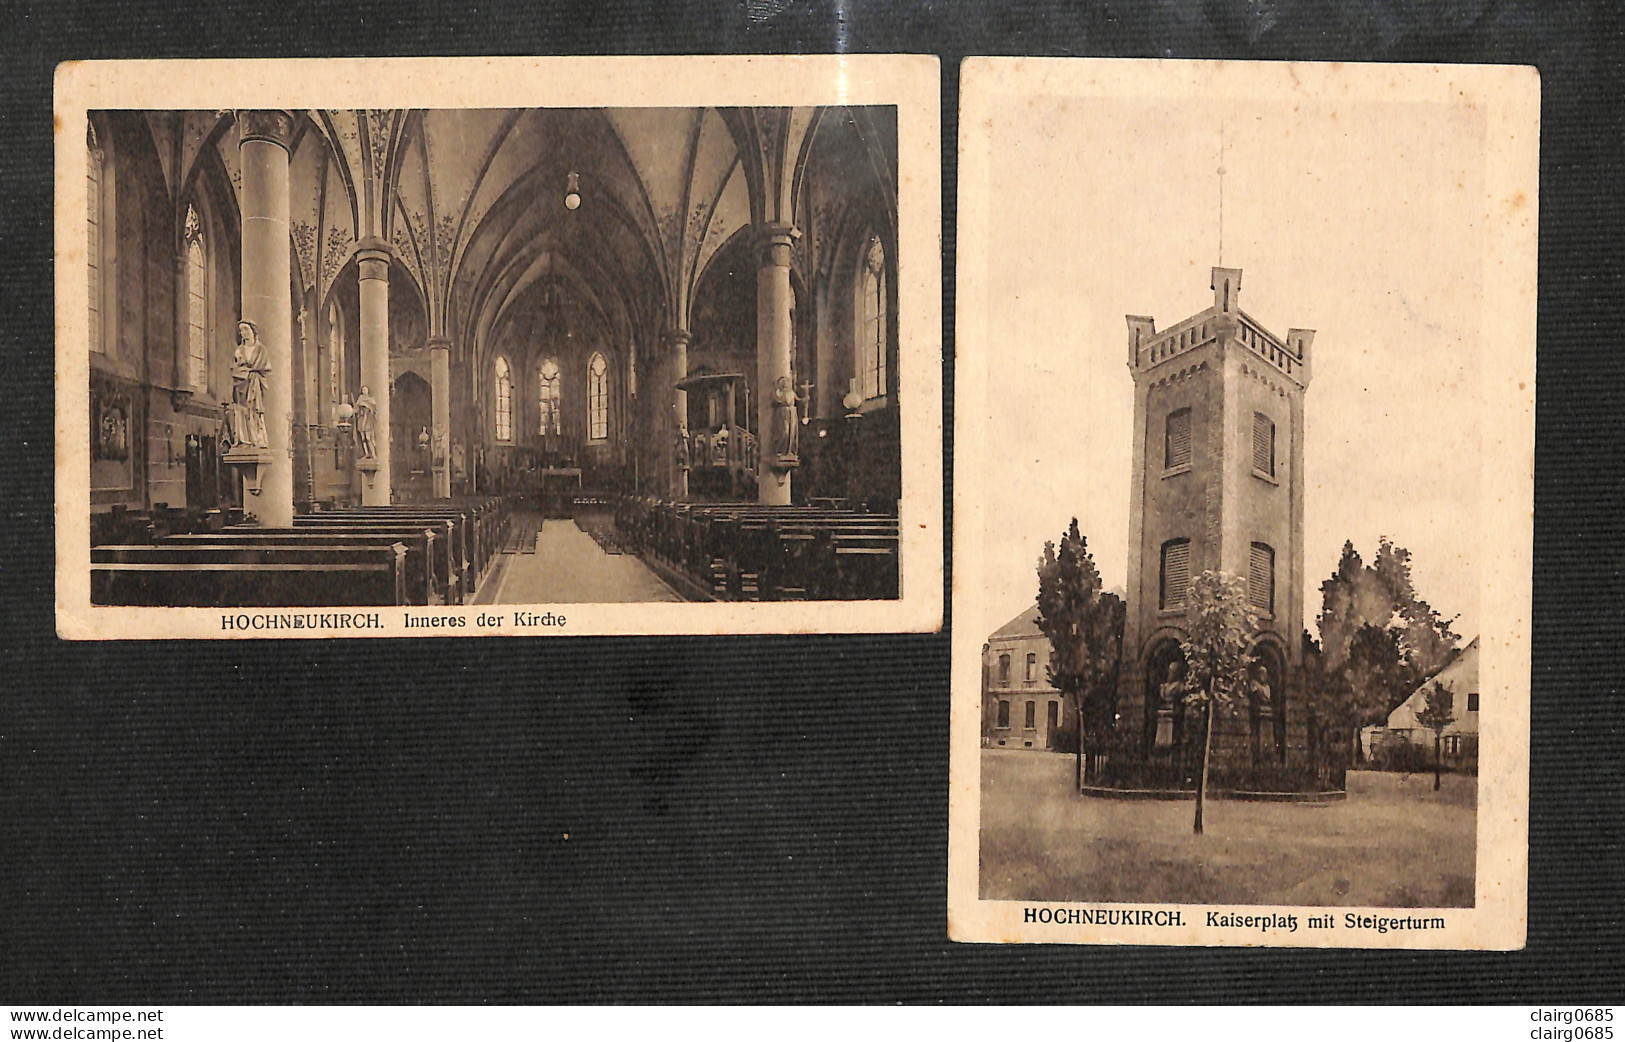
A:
{"x":1243,"y":503}
{"x":511,"y":346}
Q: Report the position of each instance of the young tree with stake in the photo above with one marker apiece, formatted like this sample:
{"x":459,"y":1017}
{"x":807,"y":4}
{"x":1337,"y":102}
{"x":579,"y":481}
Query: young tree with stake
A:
{"x":1221,"y":624}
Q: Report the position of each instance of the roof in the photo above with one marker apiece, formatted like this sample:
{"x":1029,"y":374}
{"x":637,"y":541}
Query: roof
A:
{"x":1460,"y":676}
{"x":1023,"y":625}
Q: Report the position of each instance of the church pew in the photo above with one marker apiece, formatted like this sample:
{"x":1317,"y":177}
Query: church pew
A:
{"x":481,"y":526}
{"x":243,"y":577}
{"x":428,"y":557}
{"x":454,"y":575}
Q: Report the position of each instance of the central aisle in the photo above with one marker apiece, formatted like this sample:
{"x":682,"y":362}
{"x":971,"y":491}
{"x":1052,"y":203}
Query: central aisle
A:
{"x":568,"y":567}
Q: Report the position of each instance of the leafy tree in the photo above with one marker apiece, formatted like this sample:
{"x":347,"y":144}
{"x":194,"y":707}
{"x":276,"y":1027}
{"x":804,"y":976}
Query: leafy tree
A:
{"x":1221,"y":624}
{"x":1085,"y":631}
{"x":1378,"y":641}
{"x":1438,"y":714}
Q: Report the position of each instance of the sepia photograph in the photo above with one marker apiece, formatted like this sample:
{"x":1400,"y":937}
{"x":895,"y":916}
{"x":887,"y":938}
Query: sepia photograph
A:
{"x":479,"y":342}
{"x":1243,"y":503}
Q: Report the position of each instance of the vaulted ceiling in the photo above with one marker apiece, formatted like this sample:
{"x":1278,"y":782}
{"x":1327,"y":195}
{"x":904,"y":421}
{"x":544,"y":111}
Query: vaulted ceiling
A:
{"x":471,"y":202}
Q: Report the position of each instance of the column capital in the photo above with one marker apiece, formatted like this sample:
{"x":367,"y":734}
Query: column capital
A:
{"x":273,"y":125}
{"x":372,"y":258}
{"x":439,"y":342}
{"x":675,"y":337}
{"x":777,"y":239}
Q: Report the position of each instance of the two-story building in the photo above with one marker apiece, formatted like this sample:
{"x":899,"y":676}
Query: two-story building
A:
{"x":1020,"y":708}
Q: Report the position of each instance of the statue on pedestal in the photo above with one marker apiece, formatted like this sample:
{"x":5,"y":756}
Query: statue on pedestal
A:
{"x":786,"y":424}
{"x":250,"y":368}
{"x":1168,"y":696}
{"x":366,"y":421}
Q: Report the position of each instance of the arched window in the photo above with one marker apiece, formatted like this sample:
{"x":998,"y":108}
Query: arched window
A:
{"x":197,"y":310}
{"x":597,"y":397}
{"x":872,"y":332}
{"x":504,"y":401}
{"x":335,"y":352}
{"x":547,"y":399}
{"x":94,"y":175}
{"x":632,"y":370}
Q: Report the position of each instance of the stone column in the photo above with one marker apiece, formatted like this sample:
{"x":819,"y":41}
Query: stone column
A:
{"x":264,"y":141}
{"x":679,"y":361}
{"x":774,"y":301}
{"x":373,"y":262}
{"x":440,"y":414}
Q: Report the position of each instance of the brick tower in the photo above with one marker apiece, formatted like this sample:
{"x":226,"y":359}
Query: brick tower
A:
{"x":1217,"y":484}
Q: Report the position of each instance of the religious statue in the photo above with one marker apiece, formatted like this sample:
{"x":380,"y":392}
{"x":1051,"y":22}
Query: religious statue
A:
{"x":459,"y":461}
{"x":245,"y":416}
{"x":786,"y":424}
{"x":1168,"y":694}
{"x":366,"y":421}
{"x":682,"y":449}
{"x":719,"y":447}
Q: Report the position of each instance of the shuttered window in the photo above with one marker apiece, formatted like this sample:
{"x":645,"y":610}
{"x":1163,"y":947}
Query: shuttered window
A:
{"x":1263,"y":444}
{"x":1261,"y":578}
{"x":1176,"y":573}
{"x":1177,"y":443}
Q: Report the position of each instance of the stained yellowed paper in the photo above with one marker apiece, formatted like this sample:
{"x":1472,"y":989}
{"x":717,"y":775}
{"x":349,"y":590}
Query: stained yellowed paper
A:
{"x":472,"y":90}
{"x":1317,"y":282}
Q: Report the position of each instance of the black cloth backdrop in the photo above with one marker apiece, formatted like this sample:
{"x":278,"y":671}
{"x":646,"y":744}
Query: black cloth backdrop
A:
{"x":733,"y":819}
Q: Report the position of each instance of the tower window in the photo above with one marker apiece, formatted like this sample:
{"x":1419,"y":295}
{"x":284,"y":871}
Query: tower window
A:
{"x":1177,"y":440}
{"x":1263,"y":444}
{"x":1261,"y":578}
{"x":1176,"y":574}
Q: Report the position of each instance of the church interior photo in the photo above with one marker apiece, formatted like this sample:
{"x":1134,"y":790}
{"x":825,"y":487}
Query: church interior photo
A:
{"x":493,"y":355}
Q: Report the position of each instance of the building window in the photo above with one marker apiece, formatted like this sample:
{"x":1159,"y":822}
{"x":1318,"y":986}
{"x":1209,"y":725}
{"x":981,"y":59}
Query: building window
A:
{"x":1004,"y":669}
{"x":93,"y":245}
{"x":1177,"y":440}
{"x":872,"y":336}
{"x":1176,"y":574}
{"x":1032,"y":715}
{"x":1054,"y":716}
{"x":197,"y":311}
{"x":1032,"y":665}
{"x":504,"y":401}
{"x":1261,"y":578}
{"x":335,"y":351}
{"x":1263,"y":444}
{"x":597,"y":398}
{"x":1472,"y":701}
{"x":547,"y":398}
{"x":1004,"y":712}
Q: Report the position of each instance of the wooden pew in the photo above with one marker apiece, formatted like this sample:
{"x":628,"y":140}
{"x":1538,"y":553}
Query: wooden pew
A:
{"x":248,"y":576}
{"x":454,"y":575}
{"x":428,"y":555}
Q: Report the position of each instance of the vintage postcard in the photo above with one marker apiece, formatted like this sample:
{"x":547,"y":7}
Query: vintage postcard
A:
{"x":450,"y":347}
{"x":1243,"y":498}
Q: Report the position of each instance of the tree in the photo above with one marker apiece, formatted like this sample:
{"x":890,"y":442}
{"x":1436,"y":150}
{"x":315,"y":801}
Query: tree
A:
{"x":1221,"y":623}
{"x":1378,"y":641}
{"x":1085,"y":631}
{"x":1437,"y":715}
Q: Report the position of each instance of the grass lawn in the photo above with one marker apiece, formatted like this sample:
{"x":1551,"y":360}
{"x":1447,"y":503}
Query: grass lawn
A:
{"x":1392,"y":843}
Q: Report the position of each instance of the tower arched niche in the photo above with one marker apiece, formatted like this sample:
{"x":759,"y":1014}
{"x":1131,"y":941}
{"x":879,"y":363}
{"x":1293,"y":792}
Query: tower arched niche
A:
{"x":1267,"y":699}
{"x":1163,"y":654}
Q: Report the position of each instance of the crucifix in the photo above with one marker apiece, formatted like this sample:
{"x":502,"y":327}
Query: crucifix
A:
{"x":806,"y":402}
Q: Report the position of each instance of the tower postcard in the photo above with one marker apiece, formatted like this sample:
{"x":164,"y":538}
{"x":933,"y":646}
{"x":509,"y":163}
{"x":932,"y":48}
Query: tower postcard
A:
{"x":1243,"y":503}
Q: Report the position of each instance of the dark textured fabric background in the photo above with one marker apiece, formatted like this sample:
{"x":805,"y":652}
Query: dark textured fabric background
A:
{"x":726,"y":819}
